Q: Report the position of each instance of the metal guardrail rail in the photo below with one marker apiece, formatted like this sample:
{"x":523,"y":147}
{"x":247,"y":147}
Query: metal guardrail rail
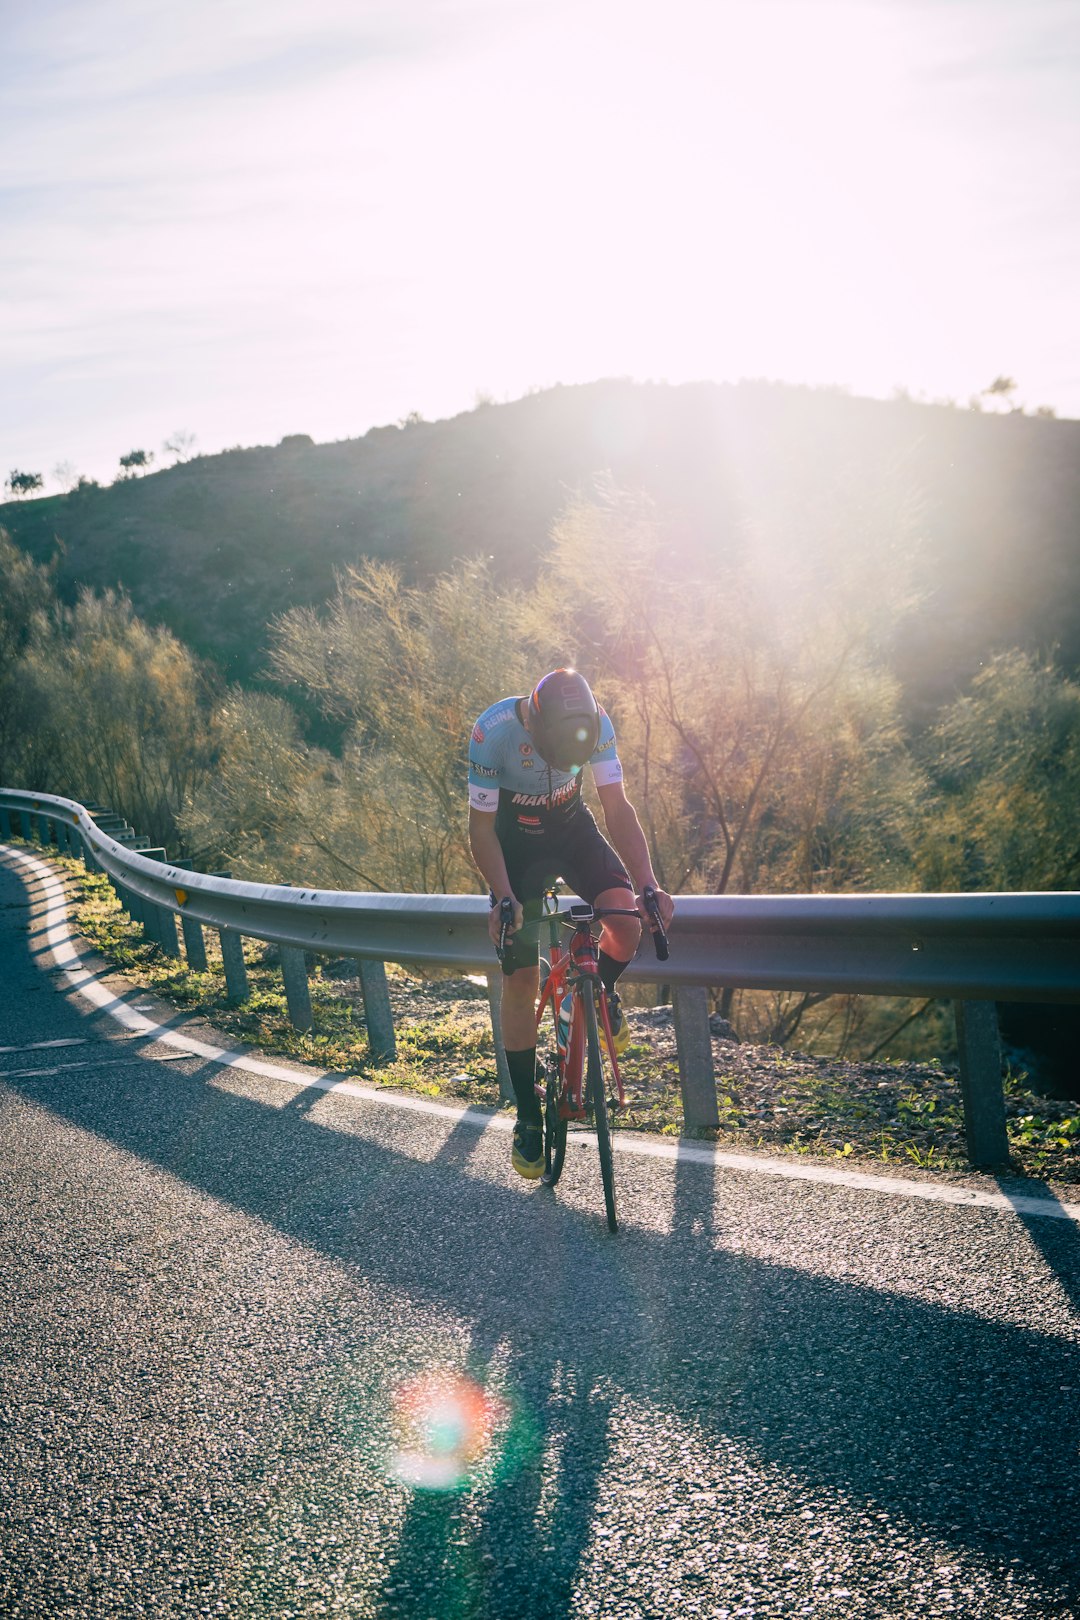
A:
{"x":975,"y":949}
{"x":1014,"y":947}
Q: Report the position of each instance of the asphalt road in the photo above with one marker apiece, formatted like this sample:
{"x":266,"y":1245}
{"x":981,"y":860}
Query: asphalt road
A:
{"x":252,"y":1331}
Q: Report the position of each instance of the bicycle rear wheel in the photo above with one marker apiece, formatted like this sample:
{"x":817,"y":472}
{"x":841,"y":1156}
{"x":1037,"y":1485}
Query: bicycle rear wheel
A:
{"x":554,"y":1130}
{"x":597,"y":1102}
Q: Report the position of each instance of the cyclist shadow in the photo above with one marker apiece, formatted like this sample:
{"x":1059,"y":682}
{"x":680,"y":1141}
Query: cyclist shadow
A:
{"x":516,"y":1547}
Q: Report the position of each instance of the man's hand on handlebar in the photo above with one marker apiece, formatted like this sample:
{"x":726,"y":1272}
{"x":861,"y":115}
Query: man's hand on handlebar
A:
{"x":497,"y":921}
{"x":665,"y":905}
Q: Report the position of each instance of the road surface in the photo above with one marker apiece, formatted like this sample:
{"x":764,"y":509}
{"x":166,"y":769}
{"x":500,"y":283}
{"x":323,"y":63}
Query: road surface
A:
{"x":273,"y":1349}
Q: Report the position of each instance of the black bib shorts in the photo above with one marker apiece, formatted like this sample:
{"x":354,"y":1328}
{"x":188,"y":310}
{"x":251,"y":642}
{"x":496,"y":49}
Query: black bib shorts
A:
{"x":578,"y":853}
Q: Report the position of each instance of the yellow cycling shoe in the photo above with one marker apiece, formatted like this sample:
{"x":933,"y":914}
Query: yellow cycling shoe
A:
{"x":620,"y":1029}
{"x":528,"y":1155}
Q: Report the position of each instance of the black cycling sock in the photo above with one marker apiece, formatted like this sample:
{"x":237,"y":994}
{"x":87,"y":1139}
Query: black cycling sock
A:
{"x":522,"y":1066}
{"x":610,"y":970}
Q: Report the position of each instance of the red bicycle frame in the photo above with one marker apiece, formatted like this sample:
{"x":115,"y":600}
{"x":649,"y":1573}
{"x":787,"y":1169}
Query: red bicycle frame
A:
{"x":575,"y":970}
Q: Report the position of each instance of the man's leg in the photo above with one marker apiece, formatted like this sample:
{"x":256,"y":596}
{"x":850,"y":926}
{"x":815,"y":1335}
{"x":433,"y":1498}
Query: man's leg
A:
{"x":520,"y":990}
{"x":619,"y":941}
{"x":619,"y":936}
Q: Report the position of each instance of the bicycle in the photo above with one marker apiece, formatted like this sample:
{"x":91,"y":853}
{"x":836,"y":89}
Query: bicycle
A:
{"x":572,"y":1084}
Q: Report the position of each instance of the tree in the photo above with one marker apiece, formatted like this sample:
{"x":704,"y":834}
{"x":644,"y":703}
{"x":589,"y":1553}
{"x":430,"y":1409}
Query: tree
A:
{"x":254,"y":806}
{"x":134,"y":460}
{"x":759,"y":730}
{"x":137,"y":738}
{"x":180,"y":445}
{"x":25,"y":602}
{"x":1002,"y":388}
{"x":406,"y":670}
{"x":749,"y":704}
{"x":21,"y":484}
{"x":66,"y":476}
{"x":1005,"y":761}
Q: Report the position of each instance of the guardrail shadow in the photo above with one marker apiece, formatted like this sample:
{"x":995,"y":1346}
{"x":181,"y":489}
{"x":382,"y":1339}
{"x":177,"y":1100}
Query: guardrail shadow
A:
{"x":1056,"y":1239}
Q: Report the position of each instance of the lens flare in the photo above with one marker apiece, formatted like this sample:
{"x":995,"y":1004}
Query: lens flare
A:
{"x":445,"y":1426}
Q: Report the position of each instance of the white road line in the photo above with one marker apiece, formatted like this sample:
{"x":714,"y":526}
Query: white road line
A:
{"x":87,"y":986}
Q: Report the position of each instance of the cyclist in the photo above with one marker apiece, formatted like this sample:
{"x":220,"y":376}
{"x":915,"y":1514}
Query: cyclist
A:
{"x":527,"y":826}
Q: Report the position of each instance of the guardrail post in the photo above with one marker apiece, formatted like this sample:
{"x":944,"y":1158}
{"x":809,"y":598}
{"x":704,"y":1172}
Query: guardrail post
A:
{"x":194,"y":943}
{"x":148,"y":916}
{"x":232,"y":958}
{"x":693,"y":1043}
{"x":191,"y":928}
{"x":166,"y":922}
{"x":979,"y":1044}
{"x":382,"y":1043}
{"x":24,"y":823}
{"x":297,"y":990}
{"x":495,"y":993}
{"x":159,"y":923}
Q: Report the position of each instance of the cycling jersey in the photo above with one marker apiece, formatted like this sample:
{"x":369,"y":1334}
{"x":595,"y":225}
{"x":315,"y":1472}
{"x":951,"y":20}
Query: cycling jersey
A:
{"x":508,"y":778}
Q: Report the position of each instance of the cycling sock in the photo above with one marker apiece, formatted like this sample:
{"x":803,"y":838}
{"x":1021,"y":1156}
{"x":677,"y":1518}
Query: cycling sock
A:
{"x":610,"y":970}
{"x":522,"y":1066}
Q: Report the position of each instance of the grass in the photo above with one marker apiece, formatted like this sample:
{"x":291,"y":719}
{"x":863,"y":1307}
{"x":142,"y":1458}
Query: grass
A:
{"x":900,"y":1114}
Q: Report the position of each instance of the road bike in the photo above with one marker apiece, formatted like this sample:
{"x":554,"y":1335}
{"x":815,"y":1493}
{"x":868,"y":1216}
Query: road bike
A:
{"x":571,"y":1084}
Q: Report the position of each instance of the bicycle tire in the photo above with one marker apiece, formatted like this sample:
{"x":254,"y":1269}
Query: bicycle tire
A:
{"x":554,"y":1133}
{"x":597,"y":1101}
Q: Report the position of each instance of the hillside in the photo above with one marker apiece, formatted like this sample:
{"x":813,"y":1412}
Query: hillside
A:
{"x":216,"y":546}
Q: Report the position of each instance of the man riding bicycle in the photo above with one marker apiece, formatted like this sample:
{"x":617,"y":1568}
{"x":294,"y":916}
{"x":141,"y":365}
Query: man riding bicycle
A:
{"x":527,"y":826}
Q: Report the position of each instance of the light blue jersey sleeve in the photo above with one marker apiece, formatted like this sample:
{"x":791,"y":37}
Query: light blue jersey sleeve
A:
{"x":605,"y":762}
{"x":487,"y":752}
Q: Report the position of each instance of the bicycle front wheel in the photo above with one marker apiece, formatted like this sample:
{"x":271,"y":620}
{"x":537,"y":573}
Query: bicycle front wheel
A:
{"x":596,"y":1101}
{"x":554,"y":1131}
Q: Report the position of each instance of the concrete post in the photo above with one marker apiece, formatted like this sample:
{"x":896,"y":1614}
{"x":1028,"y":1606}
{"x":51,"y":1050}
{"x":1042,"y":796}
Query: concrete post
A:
{"x":979,"y":1045}
{"x":693,"y":1042}
{"x":495,"y":992}
{"x":191,"y":928}
{"x":194,"y":943}
{"x":157,"y":924}
{"x":166,"y":931}
{"x":377,"y":1015}
{"x":232,"y":957}
{"x":297,"y":990}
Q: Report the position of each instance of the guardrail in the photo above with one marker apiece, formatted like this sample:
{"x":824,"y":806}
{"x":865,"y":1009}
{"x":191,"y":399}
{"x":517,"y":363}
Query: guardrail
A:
{"x":974,"y":949}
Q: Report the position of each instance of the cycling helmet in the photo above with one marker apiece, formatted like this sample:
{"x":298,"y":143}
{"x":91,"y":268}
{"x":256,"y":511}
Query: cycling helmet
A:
{"x":564,"y":720}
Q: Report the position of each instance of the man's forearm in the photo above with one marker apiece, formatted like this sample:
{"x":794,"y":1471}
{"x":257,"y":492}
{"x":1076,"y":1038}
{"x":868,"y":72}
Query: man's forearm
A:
{"x":631,"y":847}
{"x":487,"y":852}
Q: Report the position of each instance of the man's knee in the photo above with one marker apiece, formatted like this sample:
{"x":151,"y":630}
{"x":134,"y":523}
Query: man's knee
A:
{"x":521,"y":987}
{"x":621,"y":935}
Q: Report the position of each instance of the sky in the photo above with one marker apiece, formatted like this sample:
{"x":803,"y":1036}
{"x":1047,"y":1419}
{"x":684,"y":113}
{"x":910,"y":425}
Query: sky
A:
{"x":246,"y":218}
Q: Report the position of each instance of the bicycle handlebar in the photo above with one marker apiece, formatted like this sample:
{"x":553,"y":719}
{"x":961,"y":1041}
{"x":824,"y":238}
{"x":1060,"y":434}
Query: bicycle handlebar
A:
{"x":577,"y":916}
